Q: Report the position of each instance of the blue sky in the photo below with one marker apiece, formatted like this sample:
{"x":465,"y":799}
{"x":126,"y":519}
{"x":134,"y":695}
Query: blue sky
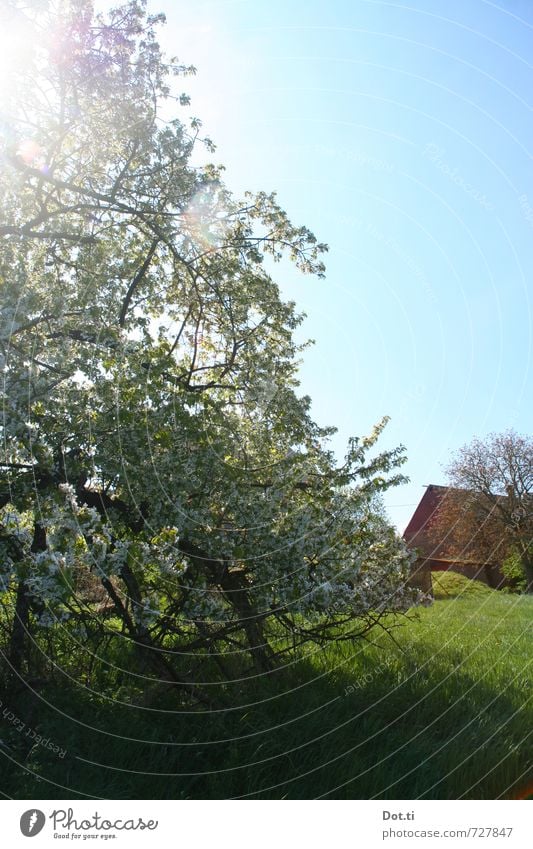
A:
{"x":400,"y":134}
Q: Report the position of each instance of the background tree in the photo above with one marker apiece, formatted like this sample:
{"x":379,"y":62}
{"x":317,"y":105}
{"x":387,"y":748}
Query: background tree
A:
{"x":493,"y":520}
{"x":163,"y":482}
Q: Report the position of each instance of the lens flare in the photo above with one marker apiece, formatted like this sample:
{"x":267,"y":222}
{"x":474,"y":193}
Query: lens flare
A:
{"x":205,"y":218}
{"x":18,"y":42}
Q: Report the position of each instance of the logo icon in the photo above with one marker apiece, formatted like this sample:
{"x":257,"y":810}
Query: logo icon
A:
{"x":32,"y":822}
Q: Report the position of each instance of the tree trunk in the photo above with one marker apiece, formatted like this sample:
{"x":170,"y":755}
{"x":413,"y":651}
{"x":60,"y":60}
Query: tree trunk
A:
{"x":21,"y":619}
{"x":149,"y":654}
{"x":527,"y":564}
{"x":17,"y":642}
{"x":235,"y":590}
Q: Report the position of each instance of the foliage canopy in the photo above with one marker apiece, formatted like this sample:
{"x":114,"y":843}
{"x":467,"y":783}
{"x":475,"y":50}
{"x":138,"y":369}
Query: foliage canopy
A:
{"x":162,"y":480}
{"x":488,"y":514}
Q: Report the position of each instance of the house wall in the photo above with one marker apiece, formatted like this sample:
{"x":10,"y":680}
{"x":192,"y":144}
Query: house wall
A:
{"x":488,"y":573}
{"x":420,"y":535}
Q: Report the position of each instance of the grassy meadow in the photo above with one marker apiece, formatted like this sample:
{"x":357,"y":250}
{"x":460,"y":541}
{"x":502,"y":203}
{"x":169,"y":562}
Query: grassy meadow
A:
{"x":442,"y":711}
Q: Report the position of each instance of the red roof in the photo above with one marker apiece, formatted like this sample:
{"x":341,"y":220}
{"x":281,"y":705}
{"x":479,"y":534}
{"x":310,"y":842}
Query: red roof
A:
{"x":424,"y":514}
{"x":420,"y":532}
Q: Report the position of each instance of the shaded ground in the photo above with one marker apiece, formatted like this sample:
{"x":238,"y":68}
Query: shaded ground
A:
{"x":444,"y":712}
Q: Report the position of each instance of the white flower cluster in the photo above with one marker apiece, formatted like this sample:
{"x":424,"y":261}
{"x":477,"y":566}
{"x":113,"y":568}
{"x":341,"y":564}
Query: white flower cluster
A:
{"x":12,"y":523}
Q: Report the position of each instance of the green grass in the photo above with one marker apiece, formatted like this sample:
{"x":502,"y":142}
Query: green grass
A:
{"x":442,"y":713}
{"x":448,"y":585}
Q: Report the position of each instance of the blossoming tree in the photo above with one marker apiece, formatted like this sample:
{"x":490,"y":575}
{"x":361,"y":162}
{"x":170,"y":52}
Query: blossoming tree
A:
{"x":154,"y":441}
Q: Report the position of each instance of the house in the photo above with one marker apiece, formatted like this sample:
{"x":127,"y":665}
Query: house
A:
{"x":434,"y":546}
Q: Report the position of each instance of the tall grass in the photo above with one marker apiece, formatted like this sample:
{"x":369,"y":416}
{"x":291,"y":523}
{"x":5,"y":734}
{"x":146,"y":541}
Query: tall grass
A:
{"x":443,"y":711}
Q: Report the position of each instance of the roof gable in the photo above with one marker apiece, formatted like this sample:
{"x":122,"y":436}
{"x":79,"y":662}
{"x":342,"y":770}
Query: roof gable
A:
{"x":425,"y":513}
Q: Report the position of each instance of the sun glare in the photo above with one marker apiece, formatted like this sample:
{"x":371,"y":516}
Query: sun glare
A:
{"x":18,"y":41}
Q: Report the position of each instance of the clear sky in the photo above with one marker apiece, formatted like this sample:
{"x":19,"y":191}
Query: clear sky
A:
{"x":400,"y":133}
